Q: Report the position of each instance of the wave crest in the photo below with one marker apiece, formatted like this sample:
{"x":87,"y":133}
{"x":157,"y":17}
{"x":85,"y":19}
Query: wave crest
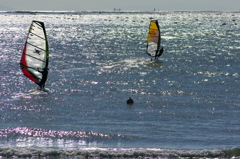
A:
{"x":36,"y":132}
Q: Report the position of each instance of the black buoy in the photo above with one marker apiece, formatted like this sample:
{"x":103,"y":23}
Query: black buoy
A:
{"x":130,"y":101}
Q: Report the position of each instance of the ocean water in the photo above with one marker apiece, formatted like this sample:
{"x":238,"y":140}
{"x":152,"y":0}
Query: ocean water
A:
{"x":186,"y":104}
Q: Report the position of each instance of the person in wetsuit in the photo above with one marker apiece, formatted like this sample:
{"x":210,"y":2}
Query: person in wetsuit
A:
{"x":160,"y":53}
{"x":41,"y":84}
{"x":130,"y":101}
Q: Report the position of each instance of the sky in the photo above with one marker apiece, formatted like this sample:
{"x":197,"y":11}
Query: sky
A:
{"x":124,"y":5}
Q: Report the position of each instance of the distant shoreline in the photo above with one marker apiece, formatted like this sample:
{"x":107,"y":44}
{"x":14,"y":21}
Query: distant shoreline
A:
{"x":110,"y":12}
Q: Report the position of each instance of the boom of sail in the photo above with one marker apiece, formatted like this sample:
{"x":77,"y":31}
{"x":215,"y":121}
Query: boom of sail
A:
{"x":154,"y":39}
{"x":34,"y":61}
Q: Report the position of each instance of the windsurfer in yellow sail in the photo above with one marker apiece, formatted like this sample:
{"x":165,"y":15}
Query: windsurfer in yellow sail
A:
{"x":154,"y":40}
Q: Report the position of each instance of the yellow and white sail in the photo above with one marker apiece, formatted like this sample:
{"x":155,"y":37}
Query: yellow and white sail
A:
{"x":154,"y":38}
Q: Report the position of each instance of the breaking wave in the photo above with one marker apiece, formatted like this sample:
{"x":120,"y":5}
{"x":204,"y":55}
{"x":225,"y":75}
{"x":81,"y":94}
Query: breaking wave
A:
{"x":31,"y":153}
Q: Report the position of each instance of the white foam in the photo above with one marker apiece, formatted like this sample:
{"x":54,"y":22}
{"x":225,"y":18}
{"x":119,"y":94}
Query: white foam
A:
{"x":112,"y":153}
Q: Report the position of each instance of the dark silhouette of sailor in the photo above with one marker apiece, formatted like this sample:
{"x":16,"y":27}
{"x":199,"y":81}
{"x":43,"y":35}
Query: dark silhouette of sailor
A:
{"x":44,"y":78}
{"x":130,"y":101}
{"x":160,"y":53}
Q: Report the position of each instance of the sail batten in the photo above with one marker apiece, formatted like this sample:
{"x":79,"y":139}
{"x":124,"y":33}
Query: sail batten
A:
{"x":154,"y":38}
{"x":34,"y":58}
{"x":23,"y":66}
{"x":37,"y":36}
{"x":34,"y":61}
{"x":36,"y":46}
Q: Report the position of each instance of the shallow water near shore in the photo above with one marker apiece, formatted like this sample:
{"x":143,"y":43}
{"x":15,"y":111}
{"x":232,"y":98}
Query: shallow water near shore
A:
{"x":187,"y":101}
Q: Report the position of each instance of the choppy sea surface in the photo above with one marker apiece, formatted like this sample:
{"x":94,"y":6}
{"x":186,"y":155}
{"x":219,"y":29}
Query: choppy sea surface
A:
{"x":186,"y":104}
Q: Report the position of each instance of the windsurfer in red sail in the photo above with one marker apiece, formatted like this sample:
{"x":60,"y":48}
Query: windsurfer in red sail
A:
{"x":34,"y":61}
